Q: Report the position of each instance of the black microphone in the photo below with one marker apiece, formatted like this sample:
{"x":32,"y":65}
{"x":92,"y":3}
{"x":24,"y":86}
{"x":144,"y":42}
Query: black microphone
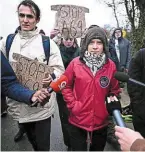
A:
{"x":114,"y":108}
{"x":125,"y":78}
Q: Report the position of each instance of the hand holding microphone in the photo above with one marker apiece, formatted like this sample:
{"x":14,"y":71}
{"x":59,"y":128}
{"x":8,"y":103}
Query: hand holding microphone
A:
{"x":114,"y":108}
{"x":40,"y":95}
{"x":55,"y":86}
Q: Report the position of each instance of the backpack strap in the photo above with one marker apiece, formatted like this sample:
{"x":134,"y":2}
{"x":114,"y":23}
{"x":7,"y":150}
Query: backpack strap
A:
{"x":9,"y":41}
{"x":46,"y":46}
{"x":45,"y":41}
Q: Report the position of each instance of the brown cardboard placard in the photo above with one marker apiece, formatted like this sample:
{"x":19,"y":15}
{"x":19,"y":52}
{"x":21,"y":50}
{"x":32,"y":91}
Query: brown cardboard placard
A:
{"x":30,"y":72}
{"x":70,"y":20}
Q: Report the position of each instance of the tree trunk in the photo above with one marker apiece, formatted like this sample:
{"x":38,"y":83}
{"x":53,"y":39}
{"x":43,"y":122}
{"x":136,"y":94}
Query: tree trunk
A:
{"x":115,"y":13}
{"x":138,"y":32}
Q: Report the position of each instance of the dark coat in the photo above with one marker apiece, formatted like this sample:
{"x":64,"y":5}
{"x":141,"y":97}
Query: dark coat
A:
{"x":125,"y":52}
{"x":137,"y":92}
{"x":10,"y":86}
{"x":68,"y":54}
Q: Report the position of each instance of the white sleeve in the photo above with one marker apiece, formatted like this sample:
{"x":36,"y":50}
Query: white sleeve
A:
{"x":55,"y":59}
{"x":2,"y":46}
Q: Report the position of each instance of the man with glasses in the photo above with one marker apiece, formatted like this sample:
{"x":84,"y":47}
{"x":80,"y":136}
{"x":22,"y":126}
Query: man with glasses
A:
{"x":28,"y":42}
{"x":69,"y":49}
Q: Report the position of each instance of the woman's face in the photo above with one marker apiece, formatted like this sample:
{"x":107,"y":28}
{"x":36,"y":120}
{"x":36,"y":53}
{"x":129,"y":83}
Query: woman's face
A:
{"x":95,"y":46}
{"x":68,"y":42}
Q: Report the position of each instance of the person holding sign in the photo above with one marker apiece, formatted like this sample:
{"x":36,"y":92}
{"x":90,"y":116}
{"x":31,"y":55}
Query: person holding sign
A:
{"x":29,"y":43}
{"x":90,"y":81}
{"x":13,"y":89}
{"x":69,"y":49}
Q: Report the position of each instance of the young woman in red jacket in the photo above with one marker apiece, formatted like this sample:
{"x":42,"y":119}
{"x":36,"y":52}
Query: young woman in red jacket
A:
{"x":90,"y":81}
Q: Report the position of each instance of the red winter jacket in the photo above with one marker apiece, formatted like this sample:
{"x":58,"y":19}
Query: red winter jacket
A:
{"x":85,"y":94}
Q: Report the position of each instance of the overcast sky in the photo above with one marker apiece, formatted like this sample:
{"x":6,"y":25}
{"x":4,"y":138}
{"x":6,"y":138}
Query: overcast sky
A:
{"x":99,"y":14}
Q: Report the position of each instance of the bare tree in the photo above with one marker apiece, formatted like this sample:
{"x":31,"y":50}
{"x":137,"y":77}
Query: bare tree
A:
{"x":130,"y":10}
{"x":135,"y":10}
{"x":114,"y":7}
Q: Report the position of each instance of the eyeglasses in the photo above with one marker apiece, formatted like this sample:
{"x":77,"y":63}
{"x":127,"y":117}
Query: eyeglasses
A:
{"x":29,"y":16}
{"x":66,"y":39}
{"x":117,"y":31}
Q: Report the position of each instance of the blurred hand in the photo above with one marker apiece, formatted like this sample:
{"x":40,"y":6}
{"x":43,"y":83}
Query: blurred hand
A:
{"x":126,"y":70}
{"x":54,"y":33}
{"x":126,"y":137}
{"x":47,"y":81}
{"x":40,"y":95}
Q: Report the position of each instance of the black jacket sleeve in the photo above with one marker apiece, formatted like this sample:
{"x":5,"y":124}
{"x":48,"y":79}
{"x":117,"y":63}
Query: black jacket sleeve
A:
{"x":135,"y":72}
{"x":10,"y":86}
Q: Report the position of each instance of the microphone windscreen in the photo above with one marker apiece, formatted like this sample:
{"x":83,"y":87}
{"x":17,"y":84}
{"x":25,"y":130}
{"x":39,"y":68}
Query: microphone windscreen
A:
{"x":121,"y":76}
{"x":59,"y":84}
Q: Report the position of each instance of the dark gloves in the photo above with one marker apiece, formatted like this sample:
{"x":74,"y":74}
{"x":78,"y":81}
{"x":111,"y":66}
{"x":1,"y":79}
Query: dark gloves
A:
{"x":112,"y":103}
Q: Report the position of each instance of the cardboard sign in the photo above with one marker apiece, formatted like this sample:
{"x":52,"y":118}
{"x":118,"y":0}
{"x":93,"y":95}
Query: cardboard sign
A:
{"x":30,"y":72}
{"x":70,"y":20}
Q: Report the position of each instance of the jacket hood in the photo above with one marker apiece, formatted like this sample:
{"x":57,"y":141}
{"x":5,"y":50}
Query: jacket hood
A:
{"x":94,"y":33}
{"x":113,"y":35}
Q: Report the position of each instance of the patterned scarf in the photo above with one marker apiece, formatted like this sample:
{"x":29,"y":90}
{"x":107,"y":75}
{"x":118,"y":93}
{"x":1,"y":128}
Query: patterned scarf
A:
{"x":94,"y":61}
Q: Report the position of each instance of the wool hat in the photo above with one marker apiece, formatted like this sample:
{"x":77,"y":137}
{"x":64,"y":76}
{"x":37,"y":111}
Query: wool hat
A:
{"x":94,"y":33}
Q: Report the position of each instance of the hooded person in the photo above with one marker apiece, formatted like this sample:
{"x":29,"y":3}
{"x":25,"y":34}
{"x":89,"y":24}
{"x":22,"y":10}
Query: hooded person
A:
{"x":120,"y":50}
{"x":120,"y":54}
{"x":90,"y":81}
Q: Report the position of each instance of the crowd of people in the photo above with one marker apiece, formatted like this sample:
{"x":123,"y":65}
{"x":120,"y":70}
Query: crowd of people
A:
{"x":86,"y":121}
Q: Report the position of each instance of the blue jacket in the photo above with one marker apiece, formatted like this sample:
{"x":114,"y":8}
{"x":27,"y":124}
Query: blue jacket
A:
{"x":10,"y":86}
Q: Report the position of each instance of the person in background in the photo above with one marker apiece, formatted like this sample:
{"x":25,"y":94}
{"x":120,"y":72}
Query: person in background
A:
{"x":120,"y":54}
{"x":120,"y":50}
{"x":29,"y":43}
{"x":129,"y":140}
{"x":69,"y":49}
{"x":90,"y":81}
